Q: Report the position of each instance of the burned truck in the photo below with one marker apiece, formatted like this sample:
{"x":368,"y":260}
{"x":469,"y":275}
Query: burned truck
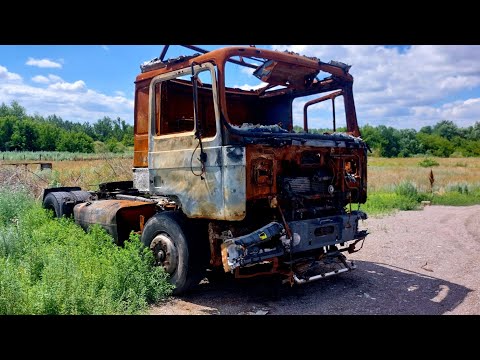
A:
{"x":223,"y":183}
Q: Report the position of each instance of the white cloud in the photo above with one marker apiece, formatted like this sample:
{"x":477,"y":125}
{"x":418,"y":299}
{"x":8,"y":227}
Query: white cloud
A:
{"x":105,"y":47}
{"x":250,"y":87}
{"x":41,"y":79}
{"x":47,"y":79}
{"x":461,"y":110}
{"x":247,"y":70}
{"x":119,"y":93}
{"x":72,"y":101}
{"x":44,"y":63}
{"x":406,"y":88}
{"x":7,"y":76}
{"x":78,"y":85}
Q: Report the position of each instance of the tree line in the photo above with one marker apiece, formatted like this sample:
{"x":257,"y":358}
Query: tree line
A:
{"x":444,"y":139}
{"x":22,"y":132}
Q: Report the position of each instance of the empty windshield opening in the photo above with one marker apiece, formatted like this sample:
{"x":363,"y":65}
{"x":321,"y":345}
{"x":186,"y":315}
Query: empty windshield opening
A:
{"x":325,"y":116}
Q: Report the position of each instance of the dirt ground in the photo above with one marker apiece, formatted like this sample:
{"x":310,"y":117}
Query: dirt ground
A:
{"x":414,"y":262}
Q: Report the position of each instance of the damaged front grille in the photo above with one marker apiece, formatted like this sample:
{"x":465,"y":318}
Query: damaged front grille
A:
{"x":307,"y":185}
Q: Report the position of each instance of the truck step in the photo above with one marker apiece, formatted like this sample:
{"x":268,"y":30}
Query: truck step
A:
{"x":325,"y":268}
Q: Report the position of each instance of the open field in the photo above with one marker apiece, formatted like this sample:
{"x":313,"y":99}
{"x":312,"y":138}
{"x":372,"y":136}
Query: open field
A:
{"x":401,"y":183}
{"x":59,"y":155}
{"x":456,"y":180}
{"x":384,"y":174}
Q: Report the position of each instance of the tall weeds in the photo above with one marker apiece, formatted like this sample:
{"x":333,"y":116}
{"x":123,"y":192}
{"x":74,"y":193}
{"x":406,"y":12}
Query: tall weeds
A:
{"x":51,"y":266}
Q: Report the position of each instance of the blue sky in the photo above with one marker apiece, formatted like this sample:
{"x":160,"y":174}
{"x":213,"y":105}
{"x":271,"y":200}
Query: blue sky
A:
{"x":400,"y":86}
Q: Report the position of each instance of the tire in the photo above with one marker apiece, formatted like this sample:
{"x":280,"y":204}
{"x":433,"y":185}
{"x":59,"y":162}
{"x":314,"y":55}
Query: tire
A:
{"x":177,"y":247}
{"x":56,"y":201}
{"x":62,"y":202}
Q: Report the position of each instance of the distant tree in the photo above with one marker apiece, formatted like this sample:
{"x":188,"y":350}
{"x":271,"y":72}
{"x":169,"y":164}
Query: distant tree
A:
{"x":103,"y":129}
{"x":409,"y":144}
{"x":75,"y":142}
{"x":446,"y":129}
{"x":14,"y":110}
{"x":48,"y":136}
{"x":6,"y":131}
{"x":473,"y":132}
{"x":372,"y":136}
{"x":426,"y":130}
{"x":390,"y":146}
{"x":24,"y":136}
{"x":436,"y":145}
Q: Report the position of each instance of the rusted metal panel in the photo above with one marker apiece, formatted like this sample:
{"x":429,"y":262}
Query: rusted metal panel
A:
{"x":333,"y":155}
{"x":140,"y":151}
{"x":117,"y":217}
{"x":140,"y":126}
{"x":220,"y":56}
{"x":234,"y":182}
{"x":331,"y":96}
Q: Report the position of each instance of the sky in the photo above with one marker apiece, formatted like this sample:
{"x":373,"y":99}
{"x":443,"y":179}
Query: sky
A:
{"x":394,"y":85}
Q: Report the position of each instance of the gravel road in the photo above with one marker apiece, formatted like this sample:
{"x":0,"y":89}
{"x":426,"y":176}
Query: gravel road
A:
{"x":414,"y":262}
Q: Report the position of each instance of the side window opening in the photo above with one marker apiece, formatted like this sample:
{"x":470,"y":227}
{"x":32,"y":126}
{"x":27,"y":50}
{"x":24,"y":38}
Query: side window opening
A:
{"x":174,"y":108}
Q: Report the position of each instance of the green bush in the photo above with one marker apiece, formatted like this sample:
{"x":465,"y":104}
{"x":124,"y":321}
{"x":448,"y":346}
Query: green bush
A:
{"x":51,"y":266}
{"x":427,"y":162}
{"x":407,"y":189}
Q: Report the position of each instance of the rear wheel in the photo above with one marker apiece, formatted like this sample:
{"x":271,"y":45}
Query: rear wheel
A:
{"x":62,"y":202}
{"x":57,"y":203}
{"x":176,"y":249}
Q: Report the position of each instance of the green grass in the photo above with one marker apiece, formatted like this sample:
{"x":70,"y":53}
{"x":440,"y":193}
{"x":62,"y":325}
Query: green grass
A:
{"x":51,"y":266}
{"x":59,"y":155}
{"x":427,"y":162}
{"x":405,"y":196}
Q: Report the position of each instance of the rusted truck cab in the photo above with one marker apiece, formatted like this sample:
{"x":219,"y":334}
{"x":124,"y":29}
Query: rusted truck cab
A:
{"x":274,"y":199}
{"x":228,"y":184}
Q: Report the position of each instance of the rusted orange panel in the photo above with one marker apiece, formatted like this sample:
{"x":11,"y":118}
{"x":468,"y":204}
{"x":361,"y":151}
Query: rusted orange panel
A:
{"x":259,"y":187}
{"x":117,"y":217}
{"x":140,"y":143}
{"x":256,"y":155}
{"x":219,"y":56}
{"x":140,"y":150}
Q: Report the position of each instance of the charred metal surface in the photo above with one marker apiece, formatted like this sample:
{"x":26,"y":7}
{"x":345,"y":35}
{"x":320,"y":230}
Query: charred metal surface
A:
{"x":117,"y":217}
{"x":315,"y":167}
{"x":60,"y":189}
{"x":220,"y":195}
{"x":140,"y":179}
{"x":331,"y":230}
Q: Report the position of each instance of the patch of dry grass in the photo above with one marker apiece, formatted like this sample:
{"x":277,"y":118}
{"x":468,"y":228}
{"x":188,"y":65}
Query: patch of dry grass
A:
{"x":86,"y":174}
{"x":384,"y":174}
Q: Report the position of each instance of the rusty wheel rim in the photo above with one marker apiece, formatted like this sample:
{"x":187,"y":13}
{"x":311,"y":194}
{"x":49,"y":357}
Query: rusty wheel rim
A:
{"x":165,"y":252}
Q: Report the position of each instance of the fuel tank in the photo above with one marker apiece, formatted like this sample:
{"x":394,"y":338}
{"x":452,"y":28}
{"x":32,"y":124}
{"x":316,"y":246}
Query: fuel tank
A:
{"x":117,"y":217}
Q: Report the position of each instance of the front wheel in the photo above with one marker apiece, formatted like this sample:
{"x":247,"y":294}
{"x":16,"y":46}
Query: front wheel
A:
{"x":175,"y":249}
